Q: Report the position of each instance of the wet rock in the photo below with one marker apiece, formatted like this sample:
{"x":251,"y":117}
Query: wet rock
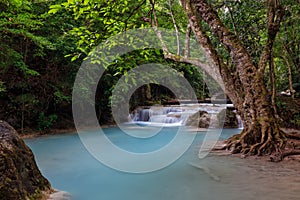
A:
{"x":20,"y":177}
{"x":200,"y":119}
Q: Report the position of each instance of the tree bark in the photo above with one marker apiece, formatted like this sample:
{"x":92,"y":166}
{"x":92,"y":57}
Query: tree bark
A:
{"x":289,"y":71}
{"x":244,"y":82}
{"x":273,"y":84}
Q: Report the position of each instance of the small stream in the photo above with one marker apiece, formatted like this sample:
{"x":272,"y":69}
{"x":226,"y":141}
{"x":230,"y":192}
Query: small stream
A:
{"x":68,"y":166}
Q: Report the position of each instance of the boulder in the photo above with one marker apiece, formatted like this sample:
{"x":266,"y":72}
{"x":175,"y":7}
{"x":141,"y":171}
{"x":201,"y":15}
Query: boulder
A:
{"x":200,"y":119}
{"x":20,"y":177}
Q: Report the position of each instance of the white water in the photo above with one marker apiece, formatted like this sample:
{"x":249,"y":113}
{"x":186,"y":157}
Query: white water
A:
{"x":173,"y":115}
{"x":240,"y":123}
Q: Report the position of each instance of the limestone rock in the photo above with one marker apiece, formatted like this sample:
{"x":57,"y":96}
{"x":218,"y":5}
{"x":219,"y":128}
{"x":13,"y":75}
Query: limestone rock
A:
{"x":206,"y":120}
{"x":200,"y":119}
{"x":20,"y":177}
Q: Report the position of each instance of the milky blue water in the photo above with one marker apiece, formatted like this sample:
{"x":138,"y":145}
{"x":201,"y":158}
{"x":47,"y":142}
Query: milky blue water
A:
{"x":66,"y":163}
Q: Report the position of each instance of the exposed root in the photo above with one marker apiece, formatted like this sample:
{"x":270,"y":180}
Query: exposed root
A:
{"x":273,"y":142}
{"x":293,"y":135}
{"x":291,"y":153}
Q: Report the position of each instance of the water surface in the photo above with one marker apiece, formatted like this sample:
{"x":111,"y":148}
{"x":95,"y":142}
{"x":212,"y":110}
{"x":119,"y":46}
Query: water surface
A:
{"x":69,"y":166}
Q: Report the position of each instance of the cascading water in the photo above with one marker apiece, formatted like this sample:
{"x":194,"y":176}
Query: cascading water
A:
{"x":174,"y":115}
{"x":240,"y":122}
{"x":159,"y":115}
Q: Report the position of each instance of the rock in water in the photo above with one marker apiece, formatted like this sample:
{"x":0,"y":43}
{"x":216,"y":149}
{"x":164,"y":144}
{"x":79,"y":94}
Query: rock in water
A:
{"x":200,"y":119}
{"x":20,"y":177}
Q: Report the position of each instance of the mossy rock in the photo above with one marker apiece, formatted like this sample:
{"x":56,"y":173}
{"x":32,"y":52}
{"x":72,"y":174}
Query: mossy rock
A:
{"x":20,"y":177}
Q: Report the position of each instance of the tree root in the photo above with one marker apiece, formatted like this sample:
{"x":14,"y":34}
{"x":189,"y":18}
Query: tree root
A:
{"x":291,"y":153}
{"x":293,"y":135}
{"x":273,"y":142}
{"x":280,"y":157}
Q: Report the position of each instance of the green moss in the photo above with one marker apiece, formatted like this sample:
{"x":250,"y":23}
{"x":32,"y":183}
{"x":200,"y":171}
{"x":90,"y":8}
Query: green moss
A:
{"x":7,"y":179}
{"x":37,"y":195}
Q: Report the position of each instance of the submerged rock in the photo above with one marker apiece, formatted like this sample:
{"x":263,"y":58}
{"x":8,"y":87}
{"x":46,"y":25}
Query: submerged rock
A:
{"x":20,"y":177}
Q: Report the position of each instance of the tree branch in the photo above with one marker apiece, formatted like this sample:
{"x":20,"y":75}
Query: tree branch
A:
{"x":175,"y":26}
{"x":178,"y":58}
{"x":155,"y":26}
{"x":240,"y":57}
{"x":275,"y":15}
{"x":273,"y":84}
{"x":133,"y":12}
{"x":230,"y":78}
{"x":284,"y":55}
{"x":187,"y":41}
{"x":232,"y":19}
{"x":207,"y":67}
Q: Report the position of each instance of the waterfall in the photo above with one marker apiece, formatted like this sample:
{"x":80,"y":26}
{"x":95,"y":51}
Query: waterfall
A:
{"x":159,"y":115}
{"x":175,"y":115}
{"x":240,"y":122}
{"x":144,"y":115}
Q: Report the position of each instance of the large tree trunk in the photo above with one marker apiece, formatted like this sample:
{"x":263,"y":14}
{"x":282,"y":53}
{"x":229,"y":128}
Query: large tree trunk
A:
{"x":261,"y":134}
{"x":243,"y":80}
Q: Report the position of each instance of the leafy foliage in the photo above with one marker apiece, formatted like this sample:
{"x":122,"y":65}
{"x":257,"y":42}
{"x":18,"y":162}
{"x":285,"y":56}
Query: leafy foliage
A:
{"x":42,"y":44}
{"x":35,"y":76}
{"x":100,"y":20}
{"x":46,"y":122}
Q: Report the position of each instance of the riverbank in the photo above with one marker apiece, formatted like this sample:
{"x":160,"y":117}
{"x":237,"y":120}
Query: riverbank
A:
{"x":71,"y":130}
{"x":34,"y":134}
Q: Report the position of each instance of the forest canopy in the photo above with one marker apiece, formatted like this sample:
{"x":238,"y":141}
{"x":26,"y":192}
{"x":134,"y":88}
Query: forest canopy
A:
{"x":43,"y":44}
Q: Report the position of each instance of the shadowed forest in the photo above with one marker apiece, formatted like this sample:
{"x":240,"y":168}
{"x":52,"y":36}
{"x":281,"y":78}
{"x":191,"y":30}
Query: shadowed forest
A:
{"x":43,"y":44}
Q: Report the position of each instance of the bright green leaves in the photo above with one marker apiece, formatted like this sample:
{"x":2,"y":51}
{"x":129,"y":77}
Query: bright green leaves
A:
{"x":54,"y":9}
{"x":99,"y":20}
{"x":16,"y":4}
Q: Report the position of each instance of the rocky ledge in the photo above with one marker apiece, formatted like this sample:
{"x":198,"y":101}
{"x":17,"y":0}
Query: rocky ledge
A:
{"x":20,"y":178}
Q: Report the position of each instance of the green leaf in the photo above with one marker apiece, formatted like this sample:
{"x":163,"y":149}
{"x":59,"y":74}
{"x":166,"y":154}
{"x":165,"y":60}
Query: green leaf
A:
{"x":54,"y":9}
